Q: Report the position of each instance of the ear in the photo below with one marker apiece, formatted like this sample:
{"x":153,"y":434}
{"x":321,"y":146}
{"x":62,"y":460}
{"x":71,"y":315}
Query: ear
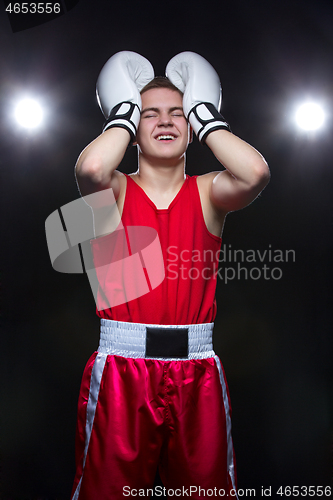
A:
{"x":190,"y":134}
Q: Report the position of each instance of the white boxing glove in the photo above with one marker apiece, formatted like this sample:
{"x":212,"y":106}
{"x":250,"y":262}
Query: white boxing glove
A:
{"x":118,"y":89}
{"x":200,"y":83}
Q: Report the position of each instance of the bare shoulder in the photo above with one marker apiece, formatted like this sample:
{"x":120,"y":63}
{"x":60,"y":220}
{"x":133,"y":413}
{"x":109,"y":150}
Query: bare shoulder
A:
{"x":205,"y":181}
{"x":214,"y":218}
{"x":119,"y":183}
{"x":118,"y":180}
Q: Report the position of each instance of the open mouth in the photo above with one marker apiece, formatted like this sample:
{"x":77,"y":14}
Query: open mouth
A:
{"x":165,"y":137}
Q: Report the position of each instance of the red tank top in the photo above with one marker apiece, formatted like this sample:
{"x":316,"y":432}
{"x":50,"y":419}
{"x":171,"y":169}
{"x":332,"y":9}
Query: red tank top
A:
{"x":190,"y":254}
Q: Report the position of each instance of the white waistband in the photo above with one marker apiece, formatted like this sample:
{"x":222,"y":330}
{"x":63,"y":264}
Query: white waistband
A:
{"x":129,"y":339}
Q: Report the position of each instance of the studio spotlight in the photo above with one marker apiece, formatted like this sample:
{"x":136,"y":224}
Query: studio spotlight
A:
{"x":28,"y":113}
{"x":310,"y":116}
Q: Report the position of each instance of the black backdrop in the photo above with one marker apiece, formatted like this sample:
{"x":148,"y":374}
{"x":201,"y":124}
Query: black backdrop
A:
{"x":273,"y":335}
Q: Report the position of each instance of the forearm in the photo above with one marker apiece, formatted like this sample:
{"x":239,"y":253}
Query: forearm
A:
{"x":246,"y":174}
{"x":99,"y":160}
{"x":241,"y":160}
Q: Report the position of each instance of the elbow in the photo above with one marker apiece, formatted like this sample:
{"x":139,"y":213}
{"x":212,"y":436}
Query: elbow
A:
{"x":89,"y":169}
{"x":90,"y":176}
{"x":261,"y":173}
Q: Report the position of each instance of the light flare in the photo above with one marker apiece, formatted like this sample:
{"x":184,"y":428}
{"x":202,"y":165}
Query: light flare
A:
{"x":29,"y":113}
{"x":310,"y":116}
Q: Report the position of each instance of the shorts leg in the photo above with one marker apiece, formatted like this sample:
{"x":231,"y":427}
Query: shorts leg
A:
{"x":199,"y":451}
{"x":120,"y":426}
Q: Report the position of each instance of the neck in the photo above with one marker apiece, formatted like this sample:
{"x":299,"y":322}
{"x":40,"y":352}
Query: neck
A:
{"x":162,"y":175}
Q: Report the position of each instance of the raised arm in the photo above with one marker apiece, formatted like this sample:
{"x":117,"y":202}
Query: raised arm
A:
{"x":118,"y":93}
{"x":246,"y":171}
{"x":96,"y":165}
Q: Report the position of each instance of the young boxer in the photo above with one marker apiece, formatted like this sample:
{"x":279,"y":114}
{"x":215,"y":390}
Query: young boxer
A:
{"x":154,"y":395}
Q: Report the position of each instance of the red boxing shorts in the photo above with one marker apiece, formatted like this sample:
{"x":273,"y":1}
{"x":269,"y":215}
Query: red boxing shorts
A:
{"x":153,"y":396}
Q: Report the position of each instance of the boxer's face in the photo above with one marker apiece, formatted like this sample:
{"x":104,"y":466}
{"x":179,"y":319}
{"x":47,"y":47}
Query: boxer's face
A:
{"x":163,"y":131}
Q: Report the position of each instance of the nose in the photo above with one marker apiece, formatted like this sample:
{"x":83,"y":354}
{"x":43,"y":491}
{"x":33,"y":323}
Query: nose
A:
{"x":165,"y":120}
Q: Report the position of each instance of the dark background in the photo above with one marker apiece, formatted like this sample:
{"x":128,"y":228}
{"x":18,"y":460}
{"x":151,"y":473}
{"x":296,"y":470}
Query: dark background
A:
{"x":273,"y":336}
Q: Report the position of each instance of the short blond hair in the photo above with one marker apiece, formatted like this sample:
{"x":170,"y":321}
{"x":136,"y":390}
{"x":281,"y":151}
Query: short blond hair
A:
{"x":160,"y":82}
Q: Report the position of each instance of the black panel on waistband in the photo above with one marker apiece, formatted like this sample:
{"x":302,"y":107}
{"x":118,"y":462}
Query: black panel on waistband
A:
{"x":166,"y":342}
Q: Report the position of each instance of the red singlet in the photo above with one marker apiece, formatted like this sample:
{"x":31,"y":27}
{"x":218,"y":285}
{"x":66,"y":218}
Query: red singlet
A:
{"x":190,"y":253}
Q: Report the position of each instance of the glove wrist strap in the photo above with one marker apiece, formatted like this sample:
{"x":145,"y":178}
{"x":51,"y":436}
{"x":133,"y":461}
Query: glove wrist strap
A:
{"x":204,"y":119}
{"x":124,"y":115}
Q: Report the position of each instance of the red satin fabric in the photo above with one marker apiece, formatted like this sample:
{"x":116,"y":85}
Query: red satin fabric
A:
{"x":152,"y":412}
{"x":190,"y":253}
